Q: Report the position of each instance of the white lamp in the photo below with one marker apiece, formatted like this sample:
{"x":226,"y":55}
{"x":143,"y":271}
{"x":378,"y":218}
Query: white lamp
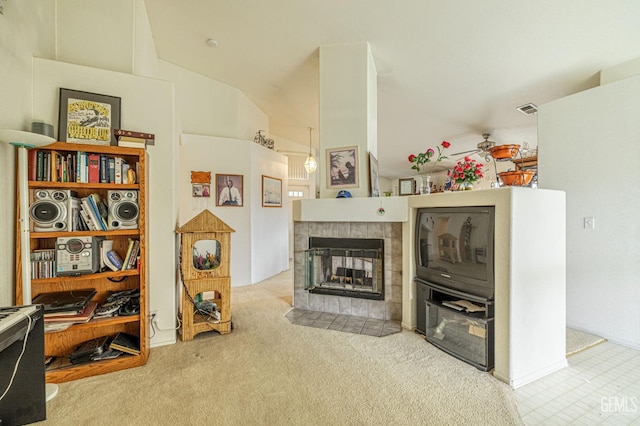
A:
{"x":24,"y":141}
{"x":310,"y":164}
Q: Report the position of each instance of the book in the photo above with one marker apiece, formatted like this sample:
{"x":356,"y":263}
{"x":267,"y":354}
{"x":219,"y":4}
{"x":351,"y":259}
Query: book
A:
{"x":127,"y":258}
{"x":93,"y":214}
{"x":79,"y":317}
{"x":94,"y":168}
{"x":127,"y":343}
{"x":118,"y":169}
{"x":133,"y":256}
{"x":33,"y":164}
{"x":148,"y":137}
{"x":112,"y":170}
{"x":65,"y":301}
{"x":94,"y":201}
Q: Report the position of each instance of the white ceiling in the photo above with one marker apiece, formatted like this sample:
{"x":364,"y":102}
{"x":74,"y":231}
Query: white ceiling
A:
{"x":446,"y":69}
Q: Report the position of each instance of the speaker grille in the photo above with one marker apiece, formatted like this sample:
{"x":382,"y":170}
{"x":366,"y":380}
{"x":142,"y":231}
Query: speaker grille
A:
{"x":126,"y":210}
{"x":45,"y":211}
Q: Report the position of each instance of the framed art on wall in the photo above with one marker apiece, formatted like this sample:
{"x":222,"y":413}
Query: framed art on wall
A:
{"x":342,"y":167}
{"x":229,"y":190}
{"x":271,"y":191}
{"x":89,"y":118}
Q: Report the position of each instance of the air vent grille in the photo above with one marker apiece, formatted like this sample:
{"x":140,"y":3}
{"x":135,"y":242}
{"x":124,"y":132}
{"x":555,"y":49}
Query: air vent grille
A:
{"x":528,"y":109}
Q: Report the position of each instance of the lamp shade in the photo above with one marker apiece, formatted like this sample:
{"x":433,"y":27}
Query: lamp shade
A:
{"x":26,"y":139}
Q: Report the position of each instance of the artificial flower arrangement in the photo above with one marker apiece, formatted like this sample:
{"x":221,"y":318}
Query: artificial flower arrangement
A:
{"x":466,"y":171}
{"x":420,"y":161}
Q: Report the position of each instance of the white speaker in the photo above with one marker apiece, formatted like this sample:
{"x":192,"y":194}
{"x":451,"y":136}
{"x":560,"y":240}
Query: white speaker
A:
{"x":123,"y":209}
{"x":53,"y":210}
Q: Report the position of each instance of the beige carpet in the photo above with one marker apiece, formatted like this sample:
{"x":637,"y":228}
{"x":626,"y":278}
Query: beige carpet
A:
{"x":577,"y":341}
{"x":271,"y":372}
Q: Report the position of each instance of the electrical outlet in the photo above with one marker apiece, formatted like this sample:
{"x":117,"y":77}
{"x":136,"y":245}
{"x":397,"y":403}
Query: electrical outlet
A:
{"x":153,"y":314}
{"x":589,"y":223}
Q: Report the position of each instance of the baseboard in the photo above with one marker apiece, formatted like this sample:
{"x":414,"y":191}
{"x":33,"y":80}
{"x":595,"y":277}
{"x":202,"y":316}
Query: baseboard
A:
{"x":515,"y":383}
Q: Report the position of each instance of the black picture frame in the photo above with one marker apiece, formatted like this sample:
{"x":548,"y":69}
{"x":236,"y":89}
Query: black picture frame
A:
{"x":89,"y":118}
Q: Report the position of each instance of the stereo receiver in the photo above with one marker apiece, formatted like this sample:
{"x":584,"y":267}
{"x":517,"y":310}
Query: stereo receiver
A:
{"x":78,"y":255}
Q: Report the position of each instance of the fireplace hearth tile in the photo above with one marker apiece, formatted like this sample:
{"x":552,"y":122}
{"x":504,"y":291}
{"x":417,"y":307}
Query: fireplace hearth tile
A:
{"x":343,"y":323}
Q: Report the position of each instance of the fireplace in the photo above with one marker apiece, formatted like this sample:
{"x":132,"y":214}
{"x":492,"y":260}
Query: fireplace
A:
{"x":349,"y":267}
{"x":389,"y":269}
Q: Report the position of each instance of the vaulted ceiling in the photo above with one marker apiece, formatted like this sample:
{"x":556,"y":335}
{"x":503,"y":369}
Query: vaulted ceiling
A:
{"x":446,"y":69}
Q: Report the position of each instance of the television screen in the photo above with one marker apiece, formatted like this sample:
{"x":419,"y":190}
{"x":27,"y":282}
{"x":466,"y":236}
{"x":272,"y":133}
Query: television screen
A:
{"x":454,"y":247}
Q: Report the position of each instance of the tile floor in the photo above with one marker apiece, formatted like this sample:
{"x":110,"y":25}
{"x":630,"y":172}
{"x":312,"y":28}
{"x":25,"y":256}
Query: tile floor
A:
{"x":600,"y":386}
{"x":346,"y":323}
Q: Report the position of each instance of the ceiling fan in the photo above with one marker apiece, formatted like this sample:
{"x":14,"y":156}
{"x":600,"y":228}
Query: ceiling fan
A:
{"x":482,"y":147}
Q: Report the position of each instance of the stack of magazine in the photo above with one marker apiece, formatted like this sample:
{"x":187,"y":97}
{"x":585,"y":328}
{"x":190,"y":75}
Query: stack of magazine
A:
{"x":65,"y":308}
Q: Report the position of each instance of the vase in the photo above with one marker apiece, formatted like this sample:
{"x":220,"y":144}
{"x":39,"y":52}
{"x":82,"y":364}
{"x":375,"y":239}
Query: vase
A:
{"x":425,"y":184}
{"x":465,"y":186}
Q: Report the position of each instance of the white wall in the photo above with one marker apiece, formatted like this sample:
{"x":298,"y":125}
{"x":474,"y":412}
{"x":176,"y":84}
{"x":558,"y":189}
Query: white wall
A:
{"x":258,"y":230}
{"x":26,"y":30}
{"x":209,"y":107}
{"x":589,"y":144}
{"x":147,"y":104}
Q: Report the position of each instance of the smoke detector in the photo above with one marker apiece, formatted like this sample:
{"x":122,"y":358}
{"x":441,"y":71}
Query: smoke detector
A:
{"x":212,"y":42}
{"x":528,"y":109}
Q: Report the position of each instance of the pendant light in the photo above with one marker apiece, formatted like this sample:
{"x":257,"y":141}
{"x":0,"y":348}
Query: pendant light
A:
{"x":310,"y":163}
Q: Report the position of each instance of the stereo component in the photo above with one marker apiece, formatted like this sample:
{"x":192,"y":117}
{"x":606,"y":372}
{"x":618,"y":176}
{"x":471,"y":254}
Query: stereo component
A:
{"x":53,"y":210}
{"x":123,"y":209}
{"x":78,"y":255}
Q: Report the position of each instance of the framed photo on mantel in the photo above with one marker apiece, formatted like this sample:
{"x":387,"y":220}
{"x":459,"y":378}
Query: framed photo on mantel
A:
{"x":407,"y":186}
{"x":88,"y":117}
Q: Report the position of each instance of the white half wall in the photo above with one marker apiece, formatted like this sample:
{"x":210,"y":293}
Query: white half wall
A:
{"x":585,"y":143}
{"x":259,"y":245}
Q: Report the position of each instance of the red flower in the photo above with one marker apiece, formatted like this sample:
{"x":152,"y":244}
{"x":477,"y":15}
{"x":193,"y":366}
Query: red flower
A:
{"x":420,"y":161}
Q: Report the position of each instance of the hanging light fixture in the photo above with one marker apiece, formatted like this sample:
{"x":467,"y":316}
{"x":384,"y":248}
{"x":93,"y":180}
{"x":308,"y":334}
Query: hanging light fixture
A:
{"x":310,"y":164}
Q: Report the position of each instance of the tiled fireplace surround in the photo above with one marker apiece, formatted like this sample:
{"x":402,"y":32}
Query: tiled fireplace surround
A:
{"x":391,"y":232}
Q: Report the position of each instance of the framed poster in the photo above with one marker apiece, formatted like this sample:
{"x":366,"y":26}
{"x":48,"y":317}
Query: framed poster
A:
{"x":373,"y":176}
{"x":271,"y":191}
{"x":406,"y":186}
{"x":229,"y":190}
{"x":88,"y":117}
{"x":342,"y":167}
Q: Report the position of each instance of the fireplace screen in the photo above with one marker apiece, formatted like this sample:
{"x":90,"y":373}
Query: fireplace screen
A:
{"x":351,"y":267}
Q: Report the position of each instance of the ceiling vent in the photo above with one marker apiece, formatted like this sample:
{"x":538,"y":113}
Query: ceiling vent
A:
{"x":528,"y":109}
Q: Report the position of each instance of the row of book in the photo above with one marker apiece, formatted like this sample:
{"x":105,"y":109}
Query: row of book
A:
{"x":133,"y":139}
{"x":131,"y":259}
{"x":81,"y":167}
{"x":43,"y":263}
{"x":94,"y":214}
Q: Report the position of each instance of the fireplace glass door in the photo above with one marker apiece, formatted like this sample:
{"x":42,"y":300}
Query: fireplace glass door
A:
{"x":345,"y":272}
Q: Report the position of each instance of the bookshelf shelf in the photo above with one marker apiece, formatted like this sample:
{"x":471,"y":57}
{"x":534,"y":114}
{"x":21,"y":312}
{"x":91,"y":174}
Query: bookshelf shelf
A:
{"x":43,"y":237}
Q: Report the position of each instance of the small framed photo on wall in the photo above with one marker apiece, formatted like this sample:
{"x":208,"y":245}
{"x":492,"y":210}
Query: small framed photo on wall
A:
{"x":229,"y":190}
{"x":271,"y":191}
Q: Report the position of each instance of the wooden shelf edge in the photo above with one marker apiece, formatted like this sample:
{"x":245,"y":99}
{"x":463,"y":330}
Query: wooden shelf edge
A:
{"x":96,"y":368}
{"x":100,"y":322}
{"x":85,"y":277}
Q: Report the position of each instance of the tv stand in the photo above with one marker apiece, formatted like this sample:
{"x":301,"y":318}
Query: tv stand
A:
{"x":462,"y":329}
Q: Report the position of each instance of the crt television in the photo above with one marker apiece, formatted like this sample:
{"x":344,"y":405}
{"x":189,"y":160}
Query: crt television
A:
{"x":454,"y":248}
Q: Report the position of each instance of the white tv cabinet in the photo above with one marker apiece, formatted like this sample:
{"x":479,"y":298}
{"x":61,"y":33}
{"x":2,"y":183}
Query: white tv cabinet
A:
{"x":530,"y":276}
